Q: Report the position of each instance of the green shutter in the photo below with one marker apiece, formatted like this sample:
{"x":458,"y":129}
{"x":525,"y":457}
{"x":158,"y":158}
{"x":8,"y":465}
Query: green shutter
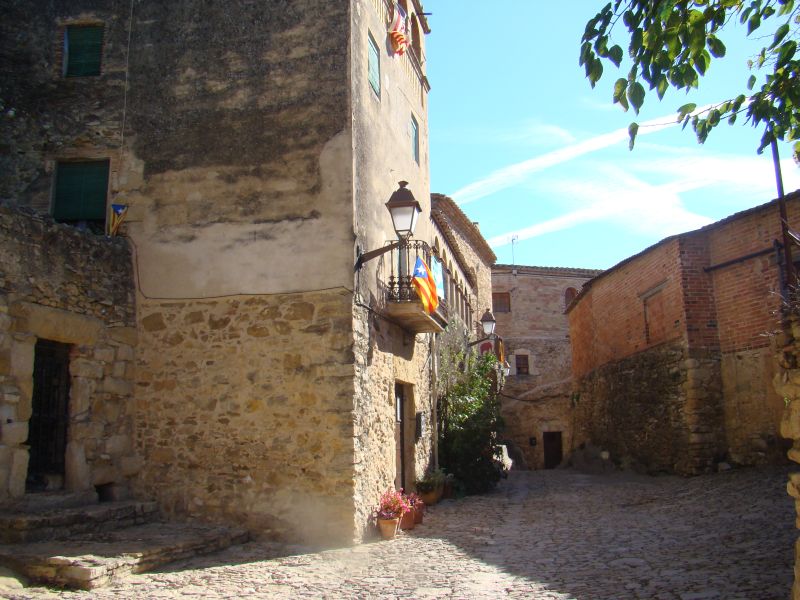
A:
{"x":81,"y":189}
{"x":415,"y":138}
{"x":374,"y":61}
{"x":83,"y":49}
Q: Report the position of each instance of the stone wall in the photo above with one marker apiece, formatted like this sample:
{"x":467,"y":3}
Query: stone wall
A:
{"x":245,"y":411}
{"x":64,"y":285}
{"x":537,"y":328}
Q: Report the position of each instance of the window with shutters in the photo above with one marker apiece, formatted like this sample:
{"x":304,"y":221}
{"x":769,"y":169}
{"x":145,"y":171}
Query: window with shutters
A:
{"x":522,"y":364}
{"x":81,"y":189}
{"x":415,"y":138}
{"x":374,"y":65}
{"x":83,"y":50}
{"x":501,"y":302}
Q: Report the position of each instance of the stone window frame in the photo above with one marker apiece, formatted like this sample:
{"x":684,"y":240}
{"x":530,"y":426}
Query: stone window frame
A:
{"x":373,"y":50}
{"x":505,"y":306}
{"x":61,"y":56}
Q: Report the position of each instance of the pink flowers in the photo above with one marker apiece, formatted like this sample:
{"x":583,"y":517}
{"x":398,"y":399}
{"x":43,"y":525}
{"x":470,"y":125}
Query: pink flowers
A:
{"x":393,"y":505}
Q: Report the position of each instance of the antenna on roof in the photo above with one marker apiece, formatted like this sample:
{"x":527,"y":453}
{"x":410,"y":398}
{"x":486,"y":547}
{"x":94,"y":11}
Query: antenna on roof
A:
{"x":514,"y":238}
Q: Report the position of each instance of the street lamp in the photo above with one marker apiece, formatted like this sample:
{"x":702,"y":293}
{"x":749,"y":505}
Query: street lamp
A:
{"x":404,"y":210}
{"x":488,"y":322}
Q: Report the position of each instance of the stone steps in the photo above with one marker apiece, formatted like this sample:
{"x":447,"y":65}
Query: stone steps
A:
{"x":43,"y":522}
{"x":94,"y":560}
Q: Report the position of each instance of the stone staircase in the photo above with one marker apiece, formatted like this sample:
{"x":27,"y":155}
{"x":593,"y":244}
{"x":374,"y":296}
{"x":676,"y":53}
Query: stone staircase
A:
{"x":60,"y":540}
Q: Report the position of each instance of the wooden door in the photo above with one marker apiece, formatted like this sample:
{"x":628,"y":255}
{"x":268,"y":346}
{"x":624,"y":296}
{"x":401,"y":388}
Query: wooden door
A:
{"x":553,"y":453}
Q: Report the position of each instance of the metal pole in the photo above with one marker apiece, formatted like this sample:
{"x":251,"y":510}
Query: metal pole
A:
{"x":787,"y":248}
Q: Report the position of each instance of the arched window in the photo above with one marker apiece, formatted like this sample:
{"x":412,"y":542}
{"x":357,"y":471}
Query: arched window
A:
{"x":569,"y":296}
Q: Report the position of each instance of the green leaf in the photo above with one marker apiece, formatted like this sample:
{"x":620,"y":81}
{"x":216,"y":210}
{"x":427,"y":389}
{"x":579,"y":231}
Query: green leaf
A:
{"x":619,"y":88}
{"x":615,"y":54}
{"x":636,"y":96}
{"x":661,"y":86}
{"x":637,"y":39}
{"x":751,"y":82}
{"x":780,"y":33}
{"x":786,"y":53}
{"x":713,"y":117}
{"x":633,"y":129}
{"x":687,"y":109}
{"x":732,"y":119}
{"x":700,"y":64}
{"x":753,"y":23}
{"x":788,"y":7}
{"x":595,"y":71}
{"x":716,"y":47}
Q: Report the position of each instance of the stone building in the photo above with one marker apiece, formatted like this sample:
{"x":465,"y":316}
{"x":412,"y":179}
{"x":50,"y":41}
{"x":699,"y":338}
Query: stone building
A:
{"x":227,"y":360}
{"x":529,"y":304}
{"x":671,"y":349}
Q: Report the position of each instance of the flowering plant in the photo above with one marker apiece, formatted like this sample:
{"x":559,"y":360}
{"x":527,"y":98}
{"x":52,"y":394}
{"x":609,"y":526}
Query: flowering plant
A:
{"x":393,"y":505}
{"x":413,"y":499}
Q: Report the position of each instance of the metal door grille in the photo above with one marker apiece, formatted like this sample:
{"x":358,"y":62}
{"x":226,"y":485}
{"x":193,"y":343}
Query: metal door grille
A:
{"x":47,"y":429}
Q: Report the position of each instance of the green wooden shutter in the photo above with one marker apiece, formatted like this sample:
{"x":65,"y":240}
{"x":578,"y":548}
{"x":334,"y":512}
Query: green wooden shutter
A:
{"x":374,"y":61}
{"x":83,"y":49}
{"x":81,"y":189}
{"x":415,"y":139}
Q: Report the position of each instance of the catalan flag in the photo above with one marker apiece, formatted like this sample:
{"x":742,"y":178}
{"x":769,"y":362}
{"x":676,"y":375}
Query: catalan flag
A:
{"x":118,"y":214}
{"x":397,"y":31}
{"x":426,"y":286}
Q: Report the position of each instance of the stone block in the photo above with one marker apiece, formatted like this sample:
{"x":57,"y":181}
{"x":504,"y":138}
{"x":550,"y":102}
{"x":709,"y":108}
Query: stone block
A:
{"x":14,"y":433}
{"x":119,"y":369}
{"x":120,"y":387}
{"x":80,"y":395}
{"x":131,"y":465}
{"x":125,"y":353}
{"x":18,"y":473}
{"x":104,"y":354}
{"x":117,"y":445}
{"x":84,"y":367}
{"x":22,"y":354}
{"x":124,"y":335}
{"x":76,"y":467}
{"x":108,"y":473}
{"x":56,"y":324}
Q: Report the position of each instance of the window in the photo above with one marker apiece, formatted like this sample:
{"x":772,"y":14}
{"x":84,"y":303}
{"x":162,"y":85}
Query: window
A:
{"x":374,"y":62}
{"x":501,"y":302}
{"x":83,"y":49}
{"x":80,"y":194}
{"x":522,"y":364}
{"x":415,"y":138}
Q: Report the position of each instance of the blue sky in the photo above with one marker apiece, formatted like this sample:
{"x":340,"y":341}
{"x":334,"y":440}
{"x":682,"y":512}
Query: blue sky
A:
{"x":528,"y":149}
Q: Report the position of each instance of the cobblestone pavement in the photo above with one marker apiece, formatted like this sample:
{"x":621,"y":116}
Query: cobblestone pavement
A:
{"x":541,"y":535}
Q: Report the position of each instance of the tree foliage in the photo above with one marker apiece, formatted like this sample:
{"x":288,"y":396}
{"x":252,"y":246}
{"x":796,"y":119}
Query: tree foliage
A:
{"x":469,"y":414}
{"x":672,"y":43}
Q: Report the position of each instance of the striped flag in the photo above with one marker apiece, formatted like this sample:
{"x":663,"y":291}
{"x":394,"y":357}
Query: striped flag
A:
{"x":118,"y":214}
{"x":397,"y":32}
{"x":426,"y":286}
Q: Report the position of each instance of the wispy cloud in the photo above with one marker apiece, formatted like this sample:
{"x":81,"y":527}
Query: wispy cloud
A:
{"x":518,"y":172}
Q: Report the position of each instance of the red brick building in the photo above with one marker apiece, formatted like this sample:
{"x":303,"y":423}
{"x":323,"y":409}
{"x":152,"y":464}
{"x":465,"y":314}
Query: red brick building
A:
{"x":671,"y":352}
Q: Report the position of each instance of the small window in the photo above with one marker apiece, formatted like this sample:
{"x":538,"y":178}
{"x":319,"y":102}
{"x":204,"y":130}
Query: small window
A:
{"x":415,"y":138}
{"x":374,"y":62}
{"x":522,"y":364}
{"x":501,"y":302}
{"x":80,"y":194}
{"x":83,"y":50}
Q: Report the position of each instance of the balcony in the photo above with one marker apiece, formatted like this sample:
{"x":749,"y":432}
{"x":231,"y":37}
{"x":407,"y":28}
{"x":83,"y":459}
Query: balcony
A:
{"x":401,"y":302}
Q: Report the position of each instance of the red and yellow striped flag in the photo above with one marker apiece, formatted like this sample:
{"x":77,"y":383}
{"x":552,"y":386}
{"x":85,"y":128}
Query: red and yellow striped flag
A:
{"x":397,"y":32}
{"x":426,"y":286}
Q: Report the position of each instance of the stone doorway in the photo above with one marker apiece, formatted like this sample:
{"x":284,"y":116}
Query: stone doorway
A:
{"x":47,"y":428}
{"x":400,"y":436}
{"x":553,"y":450}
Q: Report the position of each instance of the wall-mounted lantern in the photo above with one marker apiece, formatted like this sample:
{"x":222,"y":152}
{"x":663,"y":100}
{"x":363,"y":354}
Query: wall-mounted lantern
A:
{"x":405,"y":211}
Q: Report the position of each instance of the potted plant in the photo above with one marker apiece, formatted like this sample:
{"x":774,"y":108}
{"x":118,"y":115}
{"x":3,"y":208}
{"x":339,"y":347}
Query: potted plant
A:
{"x":431,"y":486}
{"x":417,"y":507}
{"x":393,"y":505}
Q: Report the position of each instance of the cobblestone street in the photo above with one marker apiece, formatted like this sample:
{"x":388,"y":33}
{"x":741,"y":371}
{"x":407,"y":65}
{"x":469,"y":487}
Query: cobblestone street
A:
{"x":542,"y":534}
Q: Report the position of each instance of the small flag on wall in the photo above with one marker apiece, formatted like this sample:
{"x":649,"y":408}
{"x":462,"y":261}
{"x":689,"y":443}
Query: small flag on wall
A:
{"x":426,"y":286}
{"x":118,"y":214}
{"x":397,"y":32}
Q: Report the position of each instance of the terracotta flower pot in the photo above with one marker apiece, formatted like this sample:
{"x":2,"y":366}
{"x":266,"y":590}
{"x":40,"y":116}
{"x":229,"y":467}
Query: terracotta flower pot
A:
{"x":407,"y":520}
{"x":388,"y":528}
{"x":419,"y":511}
{"x":429,"y":498}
